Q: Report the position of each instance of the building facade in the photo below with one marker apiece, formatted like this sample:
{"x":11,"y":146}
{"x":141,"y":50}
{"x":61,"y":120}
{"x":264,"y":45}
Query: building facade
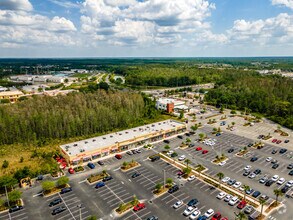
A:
{"x":96,"y":148}
{"x":12,"y":96}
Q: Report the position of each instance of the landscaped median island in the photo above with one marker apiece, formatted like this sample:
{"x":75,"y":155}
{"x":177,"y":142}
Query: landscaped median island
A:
{"x":14,"y":198}
{"x":220,"y":159}
{"x":51,"y":188}
{"x":97,"y":177}
{"x":129,"y":165}
{"x":124,"y":207}
{"x":160,"y":189}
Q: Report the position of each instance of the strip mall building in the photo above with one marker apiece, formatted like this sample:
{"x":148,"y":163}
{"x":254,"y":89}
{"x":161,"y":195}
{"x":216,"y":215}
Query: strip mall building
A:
{"x":98,"y":147}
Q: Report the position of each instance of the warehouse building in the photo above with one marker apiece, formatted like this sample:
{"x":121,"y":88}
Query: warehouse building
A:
{"x":92,"y":149}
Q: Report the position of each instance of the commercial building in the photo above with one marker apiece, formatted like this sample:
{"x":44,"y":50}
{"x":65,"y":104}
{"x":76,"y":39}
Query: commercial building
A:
{"x":95,"y":148}
{"x":12,"y":96}
{"x":169,"y":105}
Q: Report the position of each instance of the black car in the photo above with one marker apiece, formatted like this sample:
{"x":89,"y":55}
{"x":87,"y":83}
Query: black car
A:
{"x":274,"y":151}
{"x":136,"y":174}
{"x":133,"y":151}
{"x":15,"y":208}
{"x":55,"y":202}
{"x":107,"y":178}
{"x":58,"y":210}
{"x":231,"y":150}
{"x":153,"y":218}
{"x":155,"y":158}
{"x":66,"y":190}
{"x":180,"y":136}
{"x":257,"y":171}
{"x":253,"y":159}
{"x":173,"y":189}
{"x":291,"y":173}
{"x":286,"y":141}
{"x":290,"y":166}
{"x":192,"y":202}
{"x":275,"y":166}
{"x":269,"y":182}
{"x":285,"y":189}
{"x":250,"y":145}
{"x":174,"y":154}
{"x":101,"y":163}
{"x":231,"y":182}
{"x":282,"y":151}
{"x":167,"y":141}
{"x":256,"y":194}
{"x":246,"y":173}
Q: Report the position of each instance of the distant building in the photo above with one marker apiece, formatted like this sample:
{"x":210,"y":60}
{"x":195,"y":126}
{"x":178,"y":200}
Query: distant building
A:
{"x":12,"y":96}
{"x":3,"y":89}
{"x":167,"y":104}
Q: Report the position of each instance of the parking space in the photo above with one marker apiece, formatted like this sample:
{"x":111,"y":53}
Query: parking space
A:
{"x":18,"y":215}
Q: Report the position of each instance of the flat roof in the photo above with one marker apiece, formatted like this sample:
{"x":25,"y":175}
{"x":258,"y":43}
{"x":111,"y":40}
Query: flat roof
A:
{"x":169,"y":100}
{"x":9,"y":93}
{"x":96,"y":143}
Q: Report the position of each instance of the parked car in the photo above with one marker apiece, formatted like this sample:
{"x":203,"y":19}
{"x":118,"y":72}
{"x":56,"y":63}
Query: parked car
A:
{"x":198,"y":148}
{"x":202,"y":217}
{"x":71,"y":170}
{"x":138,"y":207}
{"x":155,"y":158}
{"x":274,"y":161}
{"x":153,"y":217}
{"x":182,"y":157}
{"x":15,"y":208}
{"x":289,"y":183}
{"x":278,"y":142}
{"x":217,"y":216}
{"x":291,"y":173}
{"x":257,"y":171}
{"x":129,"y":152}
{"x":285,"y":189}
{"x":205,"y":151}
{"x":283,"y":150}
{"x":252,"y":175}
{"x":290,"y":166}
{"x":99,"y":185}
{"x":274,"y":151}
{"x":264,"y":197}
{"x":237,"y":185}
{"x":274,"y":140}
{"x":192,"y":202}
{"x":136,"y":174}
{"x":269,"y":159}
{"x":247,"y":168}
{"x":275,"y":178}
{"x":209,"y":213}
{"x":58,"y":210}
{"x":174,"y":154}
{"x":249,"y":191}
{"x":189,"y":210}
{"x":242,"y":204}
{"x":107,"y":178}
{"x":248,"y":210}
{"x":231,"y":150}
{"x":253,"y":159}
{"x":178,"y":204}
{"x":281,"y":181}
{"x":233,"y":200}
{"x":263,"y":179}
{"x":221,"y":195}
{"x":100,"y":162}
{"x":173,"y":189}
{"x":231,"y":182}
{"x":180,"y":136}
{"x":191,"y":178}
{"x":286,"y":141}
{"x":118,"y":156}
{"x":55,"y":202}
{"x":227,"y":198}
{"x":256,"y":194}
{"x":91,"y":165}
{"x":225,"y":179}
{"x":194,"y":215}
{"x":246,"y":173}
{"x":269,"y":183}
{"x":66,"y":190}
{"x":166,"y":141}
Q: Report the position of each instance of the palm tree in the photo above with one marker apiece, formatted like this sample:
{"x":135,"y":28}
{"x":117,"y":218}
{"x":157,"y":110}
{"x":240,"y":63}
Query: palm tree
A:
{"x":241,"y":216}
{"x":246,"y":187}
{"x":278,"y":193}
{"x":187,"y":161}
{"x":262,"y":202}
{"x":220,"y":176}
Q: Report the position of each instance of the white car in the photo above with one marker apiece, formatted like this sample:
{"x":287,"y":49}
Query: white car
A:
{"x":275,"y":178}
{"x":281,"y":181}
{"x":182,"y":157}
{"x":222,"y":163}
{"x":269,"y":159}
{"x":233,"y":201}
{"x":225,"y":179}
{"x":237,"y":185}
{"x":289,"y":183}
{"x":170,"y":152}
{"x":194,"y":215}
{"x":221,"y":195}
{"x":190,"y":178}
{"x":209,"y":213}
{"x":252,"y":175}
{"x":242,"y":188}
{"x":178,"y":204}
{"x":227,"y":198}
{"x":189,"y":210}
{"x":247,"y":168}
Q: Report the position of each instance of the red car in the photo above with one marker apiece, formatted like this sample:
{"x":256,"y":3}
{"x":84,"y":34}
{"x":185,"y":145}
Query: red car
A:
{"x":71,"y":170}
{"x":274,"y":140}
{"x":242,"y":204}
{"x":118,"y":156}
{"x":205,"y":151}
{"x":139,"y":206}
{"x":279,"y":141}
{"x":198,"y":148}
{"x":217,"y":216}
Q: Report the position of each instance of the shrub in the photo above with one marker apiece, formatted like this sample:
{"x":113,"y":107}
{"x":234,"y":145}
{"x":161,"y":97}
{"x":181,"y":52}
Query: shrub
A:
{"x":62,"y":181}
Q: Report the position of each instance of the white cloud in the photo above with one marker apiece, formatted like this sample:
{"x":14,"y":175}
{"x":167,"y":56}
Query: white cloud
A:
{"x":65,"y":3}
{"x":129,"y":22}
{"x":24,"y":5}
{"x":286,"y":3}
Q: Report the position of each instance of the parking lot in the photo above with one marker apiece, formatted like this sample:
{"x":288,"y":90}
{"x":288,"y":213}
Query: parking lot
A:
{"x":19,"y":215}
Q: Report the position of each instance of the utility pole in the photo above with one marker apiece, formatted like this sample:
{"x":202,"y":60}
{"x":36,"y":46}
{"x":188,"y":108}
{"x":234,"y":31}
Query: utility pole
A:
{"x":164,"y":178}
{"x":7,"y":196}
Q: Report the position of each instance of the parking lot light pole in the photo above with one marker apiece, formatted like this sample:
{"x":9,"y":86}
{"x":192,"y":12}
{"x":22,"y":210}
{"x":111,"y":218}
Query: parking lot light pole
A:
{"x":79,"y":206}
{"x":7,"y":196}
{"x":164,"y":178}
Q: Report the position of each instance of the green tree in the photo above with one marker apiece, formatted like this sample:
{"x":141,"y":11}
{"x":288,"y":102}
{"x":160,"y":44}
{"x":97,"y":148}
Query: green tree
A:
{"x":66,"y":80}
{"x":158,"y":186}
{"x":187,"y":161}
{"x":7,"y":181}
{"x":62,"y":181}
{"x":201,"y":136}
{"x":5,"y":164}
{"x":2,"y":202}
{"x":241,"y":216}
{"x":181,"y":115}
{"x":194,"y":127}
{"x":278,"y":193}
{"x":262,"y":202}
{"x":14,"y":195}
{"x":220,"y":177}
{"x":48,"y":185}
{"x":245,"y":187}
{"x":169,"y":181}
{"x":188,"y":140}
{"x":167,"y":147}
{"x":186,"y":170}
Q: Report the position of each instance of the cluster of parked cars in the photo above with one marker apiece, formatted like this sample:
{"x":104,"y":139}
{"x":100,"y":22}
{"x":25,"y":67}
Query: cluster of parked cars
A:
{"x":233,"y":200}
{"x":209,"y":142}
{"x":194,"y":213}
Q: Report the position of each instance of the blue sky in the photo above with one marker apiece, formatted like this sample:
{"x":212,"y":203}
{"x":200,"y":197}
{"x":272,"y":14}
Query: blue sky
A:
{"x":145,"y":28}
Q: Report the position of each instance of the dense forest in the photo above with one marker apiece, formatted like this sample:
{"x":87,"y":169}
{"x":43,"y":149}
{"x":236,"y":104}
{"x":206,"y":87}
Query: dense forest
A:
{"x":39,"y":119}
{"x":271,"y":96}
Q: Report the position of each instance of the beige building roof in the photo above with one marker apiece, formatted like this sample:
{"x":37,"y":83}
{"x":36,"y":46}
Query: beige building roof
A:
{"x":11,"y":93}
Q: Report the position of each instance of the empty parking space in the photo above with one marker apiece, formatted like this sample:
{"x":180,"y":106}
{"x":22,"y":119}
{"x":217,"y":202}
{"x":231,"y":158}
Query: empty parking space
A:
{"x":18,"y":215}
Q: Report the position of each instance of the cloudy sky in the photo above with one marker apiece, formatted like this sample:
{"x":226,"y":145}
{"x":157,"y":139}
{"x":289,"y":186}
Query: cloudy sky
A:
{"x":145,"y":28}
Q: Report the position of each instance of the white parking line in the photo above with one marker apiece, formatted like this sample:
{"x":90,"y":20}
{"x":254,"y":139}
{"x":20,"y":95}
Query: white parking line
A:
{"x":67,"y":206}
